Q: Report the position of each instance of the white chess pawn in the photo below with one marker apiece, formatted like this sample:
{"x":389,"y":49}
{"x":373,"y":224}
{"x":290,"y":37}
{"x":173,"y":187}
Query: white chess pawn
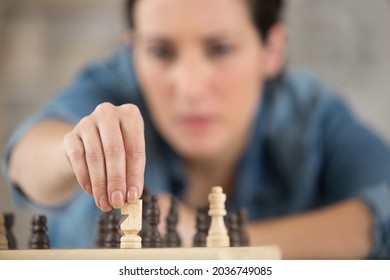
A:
{"x":217,"y":235}
{"x":132,"y":225}
{"x":3,"y":238}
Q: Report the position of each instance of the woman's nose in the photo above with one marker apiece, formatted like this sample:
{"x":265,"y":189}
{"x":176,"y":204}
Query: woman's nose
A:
{"x":191,"y":78}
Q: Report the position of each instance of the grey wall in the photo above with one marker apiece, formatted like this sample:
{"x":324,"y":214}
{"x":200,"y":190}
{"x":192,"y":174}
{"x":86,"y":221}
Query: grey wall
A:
{"x":44,"y":43}
{"x":347,"y":42}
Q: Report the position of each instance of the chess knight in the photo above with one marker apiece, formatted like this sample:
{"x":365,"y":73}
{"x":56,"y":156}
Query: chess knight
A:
{"x":132,"y":225}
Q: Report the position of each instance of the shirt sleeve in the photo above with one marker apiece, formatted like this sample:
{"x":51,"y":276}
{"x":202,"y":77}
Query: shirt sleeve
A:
{"x":327,"y":154}
{"x":357,"y":162}
{"x":111,"y":80}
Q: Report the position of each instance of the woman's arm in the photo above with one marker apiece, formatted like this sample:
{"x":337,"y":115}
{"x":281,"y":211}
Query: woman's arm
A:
{"x":39,"y":167}
{"x":340,"y":231}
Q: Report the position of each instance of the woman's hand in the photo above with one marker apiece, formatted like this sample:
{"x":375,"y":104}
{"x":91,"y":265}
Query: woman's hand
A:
{"x":107,"y":153}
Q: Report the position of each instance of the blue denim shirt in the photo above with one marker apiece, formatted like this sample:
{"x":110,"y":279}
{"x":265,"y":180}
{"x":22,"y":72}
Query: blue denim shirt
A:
{"x":306,"y":151}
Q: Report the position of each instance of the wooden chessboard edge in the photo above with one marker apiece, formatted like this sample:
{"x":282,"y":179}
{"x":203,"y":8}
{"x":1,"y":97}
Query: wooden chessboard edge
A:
{"x":269,"y":252}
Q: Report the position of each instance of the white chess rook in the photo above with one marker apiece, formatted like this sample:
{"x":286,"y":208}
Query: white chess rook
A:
{"x":132,"y":225}
{"x":217,"y":235}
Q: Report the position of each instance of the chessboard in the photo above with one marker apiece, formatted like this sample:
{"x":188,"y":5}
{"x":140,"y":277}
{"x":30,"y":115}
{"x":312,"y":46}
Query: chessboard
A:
{"x":138,"y":237}
{"x":193,"y":253}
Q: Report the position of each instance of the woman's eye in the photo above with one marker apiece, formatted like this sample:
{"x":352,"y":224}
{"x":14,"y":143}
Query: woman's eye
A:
{"x":162,"y":53}
{"x":219,"y":50}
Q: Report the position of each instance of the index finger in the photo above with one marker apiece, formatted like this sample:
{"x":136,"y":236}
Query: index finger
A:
{"x":132,"y":127}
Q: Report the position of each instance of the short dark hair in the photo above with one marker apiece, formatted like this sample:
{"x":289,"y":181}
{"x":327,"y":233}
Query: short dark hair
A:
{"x":265,"y":13}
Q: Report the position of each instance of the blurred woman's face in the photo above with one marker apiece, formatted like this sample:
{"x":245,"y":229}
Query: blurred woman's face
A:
{"x":201,"y":67}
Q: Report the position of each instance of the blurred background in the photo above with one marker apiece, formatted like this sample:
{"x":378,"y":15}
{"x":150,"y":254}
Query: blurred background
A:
{"x":45,"y":43}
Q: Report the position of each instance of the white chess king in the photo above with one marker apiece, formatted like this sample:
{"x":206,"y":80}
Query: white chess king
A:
{"x":217,"y":235}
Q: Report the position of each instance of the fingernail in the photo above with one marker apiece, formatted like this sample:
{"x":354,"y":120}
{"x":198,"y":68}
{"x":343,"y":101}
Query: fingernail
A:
{"x":103,"y":203}
{"x":132,"y":194}
{"x":117,"y":199}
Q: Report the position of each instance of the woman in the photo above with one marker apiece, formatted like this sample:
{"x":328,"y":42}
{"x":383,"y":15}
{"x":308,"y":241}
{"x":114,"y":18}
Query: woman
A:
{"x":199,"y":98}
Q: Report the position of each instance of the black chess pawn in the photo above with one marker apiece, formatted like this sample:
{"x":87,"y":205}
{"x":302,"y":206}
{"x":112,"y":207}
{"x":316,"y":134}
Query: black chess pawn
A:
{"x":39,"y":238}
{"x":172,"y":238}
{"x":203,"y":222}
{"x":233,"y":230}
{"x":101,"y":231}
{"x":242,"y":220}
{"x":152,"y":237}
{"x":8,"y":223}
{"x":112,"y":237}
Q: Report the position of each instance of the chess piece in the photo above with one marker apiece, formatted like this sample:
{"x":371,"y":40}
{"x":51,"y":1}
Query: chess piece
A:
{"x":102,"y":230}
{"x":132,"y":225}
{"x":233,"y":229}
{"x":3,"y":239}
{"x":8,"y":223}
{"x":242,"y":217}
{"x":217,"y":234}
{"x":202,"y":227}
{"x":152,"y":237}
{"x":172,"y":238}
{"x":146,"y":201}
{"x":113,"y":236}
{"x":39,"y":238}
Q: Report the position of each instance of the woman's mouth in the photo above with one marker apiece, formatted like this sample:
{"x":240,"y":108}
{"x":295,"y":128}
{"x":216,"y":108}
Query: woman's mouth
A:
{"x":196,"y":123}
